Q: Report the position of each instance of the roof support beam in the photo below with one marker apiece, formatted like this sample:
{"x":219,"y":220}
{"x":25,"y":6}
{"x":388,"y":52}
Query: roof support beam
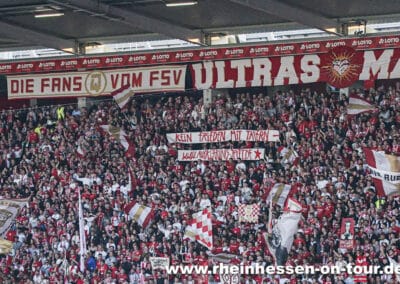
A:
{"x":28,"y":36}
{"x":133,"y":19}
{"x":292,"y":13}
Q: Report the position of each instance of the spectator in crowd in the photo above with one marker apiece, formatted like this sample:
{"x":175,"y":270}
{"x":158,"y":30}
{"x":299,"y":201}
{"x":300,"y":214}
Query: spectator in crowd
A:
{"x":39,"y":160}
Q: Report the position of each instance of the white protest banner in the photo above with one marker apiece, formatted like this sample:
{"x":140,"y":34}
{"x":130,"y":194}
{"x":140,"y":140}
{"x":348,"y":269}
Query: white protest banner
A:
{"x":97,"y":82}
{"x":221,"y":154}
{"x":385,"y":171}
{"x":224,"y":136}
{"x":159,"y":262}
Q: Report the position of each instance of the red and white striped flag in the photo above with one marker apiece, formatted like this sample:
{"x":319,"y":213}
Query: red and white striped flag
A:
{"x":122,"y":95}
{"x":385,"y":171}
{"x":140,"y":213}
{"x":200,"y":228}
{"x":119,"y":135}
{"x":358,"y":105}
{"x":288,"y":156}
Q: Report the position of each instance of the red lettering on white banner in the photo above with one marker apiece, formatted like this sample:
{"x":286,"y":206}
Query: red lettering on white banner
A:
{"x":223,"y":136}
{"x":221,"y":154}
{"x":162,"y":78}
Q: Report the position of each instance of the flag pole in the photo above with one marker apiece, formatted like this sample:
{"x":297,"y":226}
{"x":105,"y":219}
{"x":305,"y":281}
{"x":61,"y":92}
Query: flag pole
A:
{"x":65,"y":266}
{"x":270,"y":218}
{"x":82,"y":236}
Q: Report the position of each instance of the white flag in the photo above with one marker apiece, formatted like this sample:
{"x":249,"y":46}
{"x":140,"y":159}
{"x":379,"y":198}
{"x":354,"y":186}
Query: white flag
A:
{"x":281,"y":240}
{"x":159,"y":262}
{"x":279,"y":194}
{"x":288,"y":156}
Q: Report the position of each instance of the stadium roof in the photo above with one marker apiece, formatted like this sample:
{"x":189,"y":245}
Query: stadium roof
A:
{"x":73,"y":24}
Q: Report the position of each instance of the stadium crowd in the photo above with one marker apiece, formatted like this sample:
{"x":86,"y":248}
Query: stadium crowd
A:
{"x":39,"y":160}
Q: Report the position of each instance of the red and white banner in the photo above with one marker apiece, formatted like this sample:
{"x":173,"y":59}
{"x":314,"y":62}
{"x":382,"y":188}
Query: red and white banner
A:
{"x":347,"y":234}
{"x":223,"y":136}
{"x":221,"y":154}
{"x":95,"y":83}
{"x":385,"y":171}
{"x":195,"y":55}
{"x":338,"y":62}
{"x":358,"y":105}
{"x":249,"y":213}
{"x":340,"y":67}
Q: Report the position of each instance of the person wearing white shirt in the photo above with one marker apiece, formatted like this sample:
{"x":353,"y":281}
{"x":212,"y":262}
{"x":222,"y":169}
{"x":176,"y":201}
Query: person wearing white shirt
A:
{"x":183,"y":184}
{"x":220,"y":215}
{"x":205,"y":202}
{"x":125,"y":189}
{"x":63,"y":245}
{"x":33,"y":221}
{"x":246,"y":191}
{"x":37,"y":278}
{"x":201,"y":166}
{"x":107,"y":189}
{"x":115,"y":187}
{"x":75,"y":239}
{"x":115,"y":219}
{"x":21,"y":237}
{"x":163,"y":147}
{"x":240,"y":166}
{"x":88,"y":181}
{"x":100,"y":253}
